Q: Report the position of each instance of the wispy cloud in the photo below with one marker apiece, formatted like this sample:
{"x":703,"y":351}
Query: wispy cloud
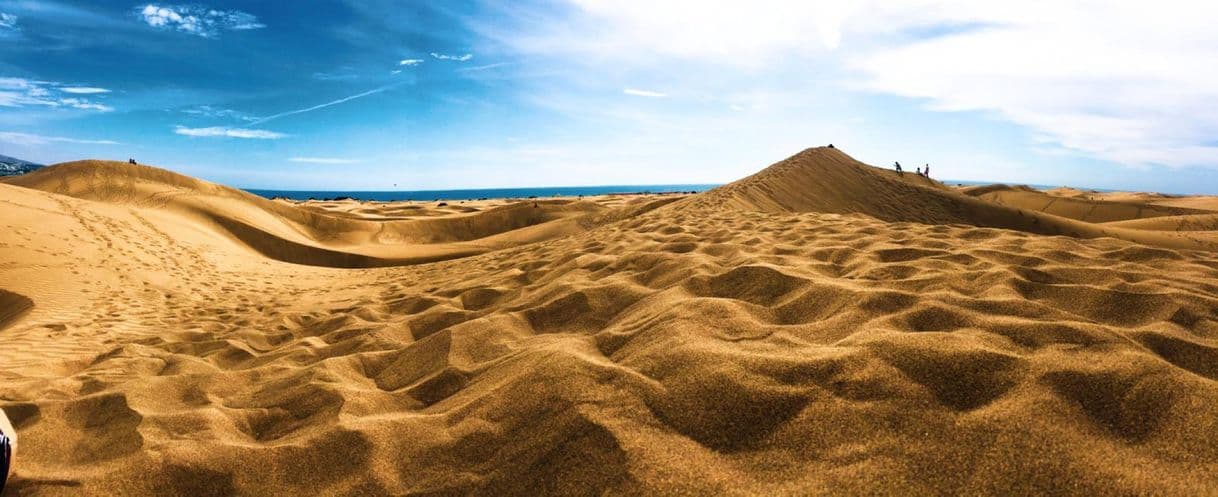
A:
{"x":83,"y":90}
{"x":341,"y":76}
{"x":220,"y":131}
{"x":209,"y":111}
{"x":327,"y":104}
{"x":7,"y":21}
{"x":484,"y":67}
{"x":32,"y":139}
{"x":196,"y":20}
{"x":323,"y":160}
{"x":21,"y":92}
{"x":643,"y":93}
{"x":410,"y":62}
{"x":458,"y":58}
{"x":80,"y":103}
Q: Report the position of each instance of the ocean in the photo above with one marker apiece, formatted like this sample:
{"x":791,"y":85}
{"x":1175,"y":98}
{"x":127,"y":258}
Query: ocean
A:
{"x":522,"y":193}
{"x":474,"y":194}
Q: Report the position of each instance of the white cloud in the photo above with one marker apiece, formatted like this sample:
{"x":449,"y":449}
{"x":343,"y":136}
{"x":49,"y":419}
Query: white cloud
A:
{"x":484,"y":67}
{"x":220,"y":131}
{"x":7,"y":21}
{"x":196,"y":20}
{"x":1128,"y":82}
{"x":32,"y":139}
{"x":209,"y":111}
{"x":749,"y":34}
{"x":21,"y":92}
{"x":80,"y":103}
{"x":83,"y":90}
{"x":643,"y":93}
{"x":323,"y":160}
{"x":410,"y":62}
{"x":458,"y":58}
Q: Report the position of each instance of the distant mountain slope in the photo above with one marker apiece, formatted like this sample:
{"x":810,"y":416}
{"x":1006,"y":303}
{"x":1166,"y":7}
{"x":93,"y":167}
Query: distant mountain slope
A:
{"x":11,"y":166}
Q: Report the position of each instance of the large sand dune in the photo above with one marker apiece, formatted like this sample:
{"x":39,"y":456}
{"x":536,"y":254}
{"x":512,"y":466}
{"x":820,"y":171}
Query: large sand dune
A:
{"x":822,"y":327}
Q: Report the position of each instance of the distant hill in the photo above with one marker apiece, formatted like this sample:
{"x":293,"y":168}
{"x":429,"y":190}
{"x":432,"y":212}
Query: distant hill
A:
{"x":10,"y":166}
{"x":826,"y":180}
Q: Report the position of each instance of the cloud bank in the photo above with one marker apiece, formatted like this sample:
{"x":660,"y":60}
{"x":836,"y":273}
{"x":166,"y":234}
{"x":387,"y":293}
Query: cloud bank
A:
{"x":1128,"y":82}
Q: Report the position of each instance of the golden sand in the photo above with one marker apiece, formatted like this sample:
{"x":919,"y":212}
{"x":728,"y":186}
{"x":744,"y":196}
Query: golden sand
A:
{"x":821,"y":327}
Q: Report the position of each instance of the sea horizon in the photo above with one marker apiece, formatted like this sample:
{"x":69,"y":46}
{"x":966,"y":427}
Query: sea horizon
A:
{"x":483,"y":193}
{"x":549,"y":191}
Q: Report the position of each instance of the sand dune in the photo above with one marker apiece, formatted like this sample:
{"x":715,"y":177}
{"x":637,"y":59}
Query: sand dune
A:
{"x":829,"y":181}
{"x":307,"y":234}
{"x":822,"y":327}
{"x":1078,"y":206}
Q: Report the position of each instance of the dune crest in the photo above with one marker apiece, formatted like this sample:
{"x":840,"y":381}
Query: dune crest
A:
{"x":820,"y":328}
{"x":824,"y":179}
{"x":302,"y":235}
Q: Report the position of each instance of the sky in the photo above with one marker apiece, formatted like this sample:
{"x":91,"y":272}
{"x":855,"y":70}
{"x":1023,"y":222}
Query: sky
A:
{"x":409,"y":95}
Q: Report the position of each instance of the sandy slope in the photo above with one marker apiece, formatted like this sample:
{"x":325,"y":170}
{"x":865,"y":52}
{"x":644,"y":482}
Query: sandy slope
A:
{"x":819,"y":328}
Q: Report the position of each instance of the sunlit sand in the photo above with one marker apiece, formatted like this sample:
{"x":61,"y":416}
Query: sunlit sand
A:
{"x":820,"y":327}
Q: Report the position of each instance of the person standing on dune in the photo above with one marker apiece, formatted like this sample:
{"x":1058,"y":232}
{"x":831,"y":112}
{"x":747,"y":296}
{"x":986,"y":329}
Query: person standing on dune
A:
{"x":926,"y":171}
{"x":897,"y":165}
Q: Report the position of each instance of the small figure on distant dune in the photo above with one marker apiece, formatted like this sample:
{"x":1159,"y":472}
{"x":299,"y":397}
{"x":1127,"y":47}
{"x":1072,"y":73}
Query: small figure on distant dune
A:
{"x":926,"y":172}
{"x":131,"y":161}
{"x":830,"y":145}
{"x":897,"y":165}
{"x":918,"y":170}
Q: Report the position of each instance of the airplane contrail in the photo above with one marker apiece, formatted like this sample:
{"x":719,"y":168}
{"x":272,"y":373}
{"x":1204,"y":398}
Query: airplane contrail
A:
{"x":327,"y":104}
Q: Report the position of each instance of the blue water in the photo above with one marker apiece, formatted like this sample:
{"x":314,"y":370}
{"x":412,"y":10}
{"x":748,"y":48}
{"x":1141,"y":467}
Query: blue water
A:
{"x":426,"y":195}
{"x":544,"y":191}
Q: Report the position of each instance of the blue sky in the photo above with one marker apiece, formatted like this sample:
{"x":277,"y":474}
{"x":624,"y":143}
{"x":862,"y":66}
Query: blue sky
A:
{"x":465,"y":94}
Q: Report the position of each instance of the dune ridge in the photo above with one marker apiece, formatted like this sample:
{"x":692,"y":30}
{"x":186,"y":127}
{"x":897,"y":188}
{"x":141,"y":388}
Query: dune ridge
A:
{"x":767,"y":337}
{"x":299,"y":235}
{"x":826,"y":180}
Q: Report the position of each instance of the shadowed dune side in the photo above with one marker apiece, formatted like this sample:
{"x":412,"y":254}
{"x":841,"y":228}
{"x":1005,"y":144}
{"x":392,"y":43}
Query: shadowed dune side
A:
{"x":827,"y":180}
{"x":12,"y":306}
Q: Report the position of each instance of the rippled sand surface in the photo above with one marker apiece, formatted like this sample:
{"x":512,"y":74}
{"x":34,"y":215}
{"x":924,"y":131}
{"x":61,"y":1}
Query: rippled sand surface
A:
{"x":822,"y":327}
